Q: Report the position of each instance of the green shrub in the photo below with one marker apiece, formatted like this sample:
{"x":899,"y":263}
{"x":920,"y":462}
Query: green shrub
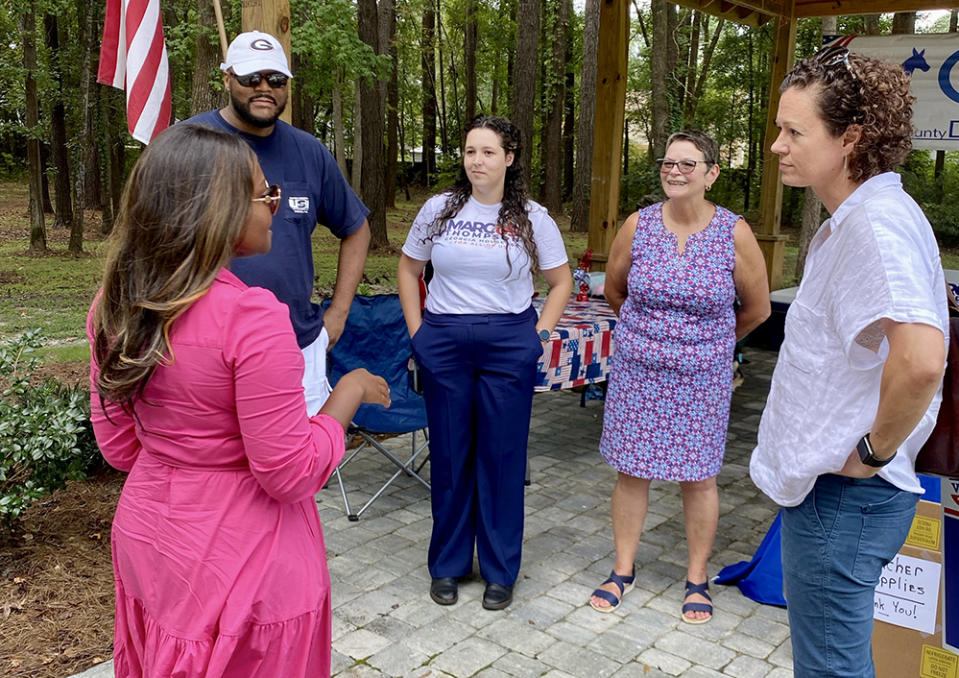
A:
{"x":45,"y":433}
{"x":945,"y":222}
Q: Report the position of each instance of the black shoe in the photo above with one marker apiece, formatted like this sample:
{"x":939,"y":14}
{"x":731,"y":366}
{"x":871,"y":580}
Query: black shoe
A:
{"x":497,"y":597}
{"x":444,"y":590}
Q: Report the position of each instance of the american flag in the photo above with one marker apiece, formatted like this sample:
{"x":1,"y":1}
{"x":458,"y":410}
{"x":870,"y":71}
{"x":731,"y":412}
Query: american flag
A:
{"x":133,"y":57}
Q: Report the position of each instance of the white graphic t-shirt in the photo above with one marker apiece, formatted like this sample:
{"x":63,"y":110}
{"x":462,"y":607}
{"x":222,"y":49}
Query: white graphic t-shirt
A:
{"x":471,"y":272}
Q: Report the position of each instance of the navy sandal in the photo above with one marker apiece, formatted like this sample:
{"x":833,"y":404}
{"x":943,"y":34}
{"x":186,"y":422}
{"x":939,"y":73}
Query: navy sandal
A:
{"x":624,"y":584}
{"x":703,"y":590}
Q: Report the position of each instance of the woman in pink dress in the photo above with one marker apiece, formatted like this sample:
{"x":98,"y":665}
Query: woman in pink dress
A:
{"x":196,"y":388}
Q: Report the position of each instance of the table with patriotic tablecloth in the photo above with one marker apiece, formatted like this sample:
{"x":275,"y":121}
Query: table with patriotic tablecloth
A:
{"x":580,"y":349}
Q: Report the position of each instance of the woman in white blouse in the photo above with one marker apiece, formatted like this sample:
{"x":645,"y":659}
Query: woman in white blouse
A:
{"x":857,"y":386}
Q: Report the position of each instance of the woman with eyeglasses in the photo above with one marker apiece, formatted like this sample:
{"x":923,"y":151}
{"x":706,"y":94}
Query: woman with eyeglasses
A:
{"x":856,"y":389}
{"x":196,"y":391}
{"x":676,"y":270}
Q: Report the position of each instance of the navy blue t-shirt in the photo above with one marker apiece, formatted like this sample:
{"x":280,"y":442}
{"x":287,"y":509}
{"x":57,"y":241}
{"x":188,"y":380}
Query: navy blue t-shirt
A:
{"x":314,"y":191}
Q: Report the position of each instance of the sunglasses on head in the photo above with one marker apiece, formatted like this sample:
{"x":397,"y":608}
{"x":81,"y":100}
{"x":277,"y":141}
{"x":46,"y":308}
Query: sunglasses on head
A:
{"x":274,"y":80}
{"x":271,"y":196}
{"x":832,"y":56}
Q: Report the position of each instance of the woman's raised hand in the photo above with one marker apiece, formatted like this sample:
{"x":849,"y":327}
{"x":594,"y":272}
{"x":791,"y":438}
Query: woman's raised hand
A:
{"x":375,"y":388}
{"x":354,"y":388}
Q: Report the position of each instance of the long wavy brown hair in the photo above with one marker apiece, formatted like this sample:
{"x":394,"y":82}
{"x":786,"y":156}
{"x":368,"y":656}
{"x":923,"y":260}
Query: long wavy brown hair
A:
{"x":181,"y":215}
{"x":513,"y":209}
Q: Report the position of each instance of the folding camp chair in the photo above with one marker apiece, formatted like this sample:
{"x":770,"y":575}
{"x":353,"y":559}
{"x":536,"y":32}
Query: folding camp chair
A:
{"x":375,"y":337}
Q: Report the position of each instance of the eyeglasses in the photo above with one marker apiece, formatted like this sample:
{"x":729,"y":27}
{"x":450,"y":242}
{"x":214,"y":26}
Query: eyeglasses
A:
{"x":271,"y":196}
{"x":685,"y":166}
{"x":274,"y":80}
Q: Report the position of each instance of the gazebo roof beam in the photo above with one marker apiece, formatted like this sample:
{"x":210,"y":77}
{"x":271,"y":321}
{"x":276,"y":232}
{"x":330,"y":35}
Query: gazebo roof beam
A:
{"x":808,"y":8}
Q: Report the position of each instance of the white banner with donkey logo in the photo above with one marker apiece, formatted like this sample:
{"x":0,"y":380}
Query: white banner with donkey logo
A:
{"x":933,"y":62}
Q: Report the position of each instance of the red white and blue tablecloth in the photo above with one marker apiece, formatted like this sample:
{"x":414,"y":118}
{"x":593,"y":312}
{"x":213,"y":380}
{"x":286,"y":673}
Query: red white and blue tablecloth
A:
{"x":580,"y":349}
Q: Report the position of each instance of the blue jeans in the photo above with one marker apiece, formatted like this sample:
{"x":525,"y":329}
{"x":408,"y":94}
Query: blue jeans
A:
{"x":834,"y":546}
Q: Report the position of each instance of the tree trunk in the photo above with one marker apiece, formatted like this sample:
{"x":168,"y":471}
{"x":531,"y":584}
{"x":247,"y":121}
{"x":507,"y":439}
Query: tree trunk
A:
{"x":552,"y":193}
{"x":441,"y":58}
{"x":58,"y":139}
{"x":812,"y":207}
{"x":38,"y":231}
{"x":428,"y":47}
{"x":524,"y":80}
{"x":45,"y":202}
{"x":692,"y":65}
{"x":579,"y":222}
{"x":339,"y":136}
{"x":392,"y":98}
{"x":454,"y":88}
{"x":674,"y":85}
{"x":469,"y":59}
{"x":302,"y":105}
{"x":903,"y":23}
{"x":569,"y":123}
{"x":372,"y":184}
{"x":358,"y":148}
{"x":206,"y":62}
{"x":707,"y":59}
{"x":85,"y":22}
{"x":659,"y":71}
{"x":92,"y":189}
{"x":872,"y":24}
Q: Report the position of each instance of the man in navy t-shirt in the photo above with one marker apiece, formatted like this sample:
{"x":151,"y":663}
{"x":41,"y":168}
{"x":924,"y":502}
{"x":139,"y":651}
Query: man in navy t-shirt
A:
{"x":255,"y":75}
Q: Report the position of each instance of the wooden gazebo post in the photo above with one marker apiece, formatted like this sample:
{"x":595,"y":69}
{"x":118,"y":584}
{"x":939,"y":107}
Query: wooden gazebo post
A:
{"x":273,"y":17}
{"x":771,"y":241}
{"x":611,"y":72}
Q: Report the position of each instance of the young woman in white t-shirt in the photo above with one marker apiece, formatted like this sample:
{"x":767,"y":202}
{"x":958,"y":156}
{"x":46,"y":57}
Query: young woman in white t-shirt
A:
{"x":477,"y":345}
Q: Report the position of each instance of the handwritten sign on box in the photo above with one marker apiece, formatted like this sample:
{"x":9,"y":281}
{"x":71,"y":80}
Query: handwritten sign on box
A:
{"x":908,"y":593}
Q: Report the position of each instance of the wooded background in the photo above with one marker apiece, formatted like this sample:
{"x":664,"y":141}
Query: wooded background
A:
{"x":376,"y":79}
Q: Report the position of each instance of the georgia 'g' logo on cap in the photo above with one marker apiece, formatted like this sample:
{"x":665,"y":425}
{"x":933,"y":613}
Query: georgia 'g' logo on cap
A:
{"x":261,"y":45}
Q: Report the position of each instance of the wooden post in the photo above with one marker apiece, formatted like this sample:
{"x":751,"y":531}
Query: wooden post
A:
{"x":273,"y":17}
{"x":771,"y":241}
{"x":611,"y":70}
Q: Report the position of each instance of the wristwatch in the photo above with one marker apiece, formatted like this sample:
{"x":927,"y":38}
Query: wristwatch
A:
{"x":866,"y":455}
{"x":544,"y":335}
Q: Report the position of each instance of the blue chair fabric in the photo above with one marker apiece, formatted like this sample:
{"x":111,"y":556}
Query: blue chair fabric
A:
{"x":375,"y":337}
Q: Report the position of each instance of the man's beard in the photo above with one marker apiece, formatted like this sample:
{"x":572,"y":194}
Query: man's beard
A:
{"x":242,"y":109}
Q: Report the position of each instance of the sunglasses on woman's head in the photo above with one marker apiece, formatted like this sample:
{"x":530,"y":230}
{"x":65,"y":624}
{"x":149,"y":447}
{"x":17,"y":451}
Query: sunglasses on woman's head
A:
{"x":274,"y":80}
{"x":832,"y":56}
{"x":271,"y":196}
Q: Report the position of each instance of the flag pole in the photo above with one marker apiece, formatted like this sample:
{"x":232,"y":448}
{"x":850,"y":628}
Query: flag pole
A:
{"x":219,"y":24}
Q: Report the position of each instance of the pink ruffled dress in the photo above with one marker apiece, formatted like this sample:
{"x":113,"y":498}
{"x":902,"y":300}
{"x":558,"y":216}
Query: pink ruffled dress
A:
{"x":218,"y":552}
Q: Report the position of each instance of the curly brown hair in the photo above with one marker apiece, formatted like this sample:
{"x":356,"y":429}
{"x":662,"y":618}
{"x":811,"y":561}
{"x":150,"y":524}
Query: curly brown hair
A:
{"x":860,"y":90}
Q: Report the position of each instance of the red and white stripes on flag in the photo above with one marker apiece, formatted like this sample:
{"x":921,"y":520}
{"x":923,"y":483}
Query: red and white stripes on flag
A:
{"x":133,"y":57}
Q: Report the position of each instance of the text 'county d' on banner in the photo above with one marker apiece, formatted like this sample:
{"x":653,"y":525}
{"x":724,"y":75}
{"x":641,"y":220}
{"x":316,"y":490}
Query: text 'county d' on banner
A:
{"x":933,"y":61}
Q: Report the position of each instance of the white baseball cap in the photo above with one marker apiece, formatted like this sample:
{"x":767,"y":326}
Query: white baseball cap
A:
{"x":254,"y":52}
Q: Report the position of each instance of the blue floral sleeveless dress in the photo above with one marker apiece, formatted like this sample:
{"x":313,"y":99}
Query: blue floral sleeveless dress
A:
{"x":667,"y":406}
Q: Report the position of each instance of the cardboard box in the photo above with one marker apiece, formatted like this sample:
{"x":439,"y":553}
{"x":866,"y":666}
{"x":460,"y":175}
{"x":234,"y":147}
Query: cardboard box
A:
{"x":910,"y":594}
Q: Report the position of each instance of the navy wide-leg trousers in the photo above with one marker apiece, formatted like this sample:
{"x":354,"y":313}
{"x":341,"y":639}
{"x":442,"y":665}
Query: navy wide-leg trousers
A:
{"x":478,"y":373}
